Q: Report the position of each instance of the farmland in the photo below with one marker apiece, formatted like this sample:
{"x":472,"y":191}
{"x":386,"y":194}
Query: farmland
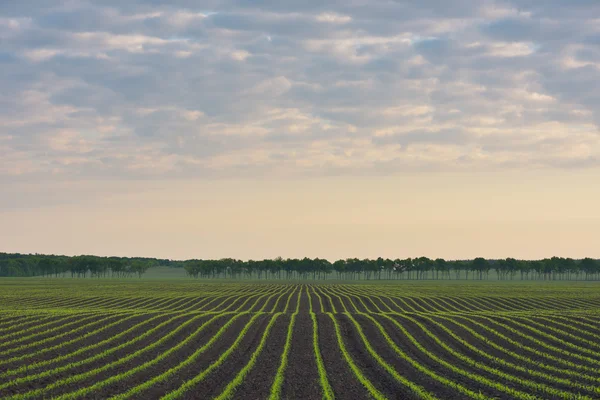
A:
{"x":82,"y":339}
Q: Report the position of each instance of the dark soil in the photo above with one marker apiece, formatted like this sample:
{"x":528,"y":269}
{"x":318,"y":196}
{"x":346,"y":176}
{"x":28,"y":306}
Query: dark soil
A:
{"x":20,"y":322}
{"x":270,"y":303}
{"x":559,"y":337}
{"x":378,"y":302}
{"x":392,"y":305}
{"x":411,"y":302}
{"x":357,"y":303}
{"x":292,"y":305}
{"x":372,"y":370}
{"x":29,"y":324}
{"x":301,"y":379}
{"x":148,"y":373}
{"x":481,"y":345}
{"x":424,"y":304}
{"x":304,"y":305}
{"x":336,"y":302}
{"x":61,"y":335}
{"x":326,"y":303}
{"x":315,"y":301}
{"x":524,"y":341}
{"x":99,"y":349}
{"x":258,"y":382}
{"x":213,"y":384}
{"x":339,"y":374}
{"x":403,"y":342}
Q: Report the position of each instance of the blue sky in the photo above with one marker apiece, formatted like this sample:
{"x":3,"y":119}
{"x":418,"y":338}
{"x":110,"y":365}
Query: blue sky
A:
{"x":102,"y":93}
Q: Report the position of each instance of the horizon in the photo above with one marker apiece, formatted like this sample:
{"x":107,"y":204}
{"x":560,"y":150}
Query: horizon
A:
{"x":283,"y":258}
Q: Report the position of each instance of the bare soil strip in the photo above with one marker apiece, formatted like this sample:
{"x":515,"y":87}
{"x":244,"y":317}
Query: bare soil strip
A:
{"x":341,"y":378}
{"x":301,"y":379}
{"x":257,"y":384}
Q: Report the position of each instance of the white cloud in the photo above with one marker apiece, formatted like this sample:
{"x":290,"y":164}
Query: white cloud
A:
{"x":240,"y":55}
{"x":192,"y":115}
{"x":271,"y":87}
{"x":183,"y":18}
{"x":38,"y":55}
{"x":333,"y":18}
{"x":512,"y":49}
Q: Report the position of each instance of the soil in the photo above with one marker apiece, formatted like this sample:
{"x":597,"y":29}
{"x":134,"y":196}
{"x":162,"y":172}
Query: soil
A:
{"x":214,"y":383}
{"x":258,"y":382}
{"x":339,"y":374}
{"x":301,"y":378}
{"x":115,"y":330}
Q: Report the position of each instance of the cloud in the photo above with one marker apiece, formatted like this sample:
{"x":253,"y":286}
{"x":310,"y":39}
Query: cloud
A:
{"x":236,"y":88}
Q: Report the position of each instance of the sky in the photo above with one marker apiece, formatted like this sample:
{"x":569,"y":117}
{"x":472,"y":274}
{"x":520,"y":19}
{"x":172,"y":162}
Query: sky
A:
{"x":334,"y":129}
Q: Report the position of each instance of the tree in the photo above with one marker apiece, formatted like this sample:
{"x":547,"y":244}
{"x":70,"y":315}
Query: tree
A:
{"x":480,"y":265}
{"x":351,"y":268}
{"x":441,"y":266}
{"x":339,"y":266}
{"x":192,"y":267}
{"x":139,"y":267}
{"x":590,"y":267}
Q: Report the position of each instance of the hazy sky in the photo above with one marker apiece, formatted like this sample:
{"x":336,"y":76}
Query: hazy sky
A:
{"x":264,"y":128}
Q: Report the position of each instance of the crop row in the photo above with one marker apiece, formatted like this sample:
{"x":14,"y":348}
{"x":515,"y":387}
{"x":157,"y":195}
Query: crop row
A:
{"x":385,"y":343}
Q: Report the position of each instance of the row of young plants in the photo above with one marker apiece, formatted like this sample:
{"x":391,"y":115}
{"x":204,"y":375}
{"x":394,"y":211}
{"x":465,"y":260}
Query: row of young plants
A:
{"x":230,"y":389}
{"x":530,"y":385}
{"x":445,"y":307}
{"x":40,"y":337}
{"x":541,"y":351}
{"x":277,"y":385}
{"x":131,"y":357}
{"x":551,"y":318}
{"x":31,"y":324}
{"x":464,"y":391}
{"x":404,"y":302}
{"x":448,"y":305}
{"x":475,"y":365}
{"x":326,"y":389}
{"x":517,"y":361}
{"x":464,"y":304}
{"x":37,"y":352}
{"x":549,"y":353}
{"x":51,"y":301}
{"x":165,"y":376}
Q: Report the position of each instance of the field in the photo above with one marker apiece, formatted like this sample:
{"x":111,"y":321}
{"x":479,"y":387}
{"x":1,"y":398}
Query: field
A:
{"x":146,"y":339}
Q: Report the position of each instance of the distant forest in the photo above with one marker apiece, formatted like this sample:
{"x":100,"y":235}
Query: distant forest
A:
{"x":555,"y":268}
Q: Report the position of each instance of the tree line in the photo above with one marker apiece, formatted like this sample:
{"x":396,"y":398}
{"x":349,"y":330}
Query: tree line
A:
{"x":555,"y":268}
{"x":75,"y":267}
